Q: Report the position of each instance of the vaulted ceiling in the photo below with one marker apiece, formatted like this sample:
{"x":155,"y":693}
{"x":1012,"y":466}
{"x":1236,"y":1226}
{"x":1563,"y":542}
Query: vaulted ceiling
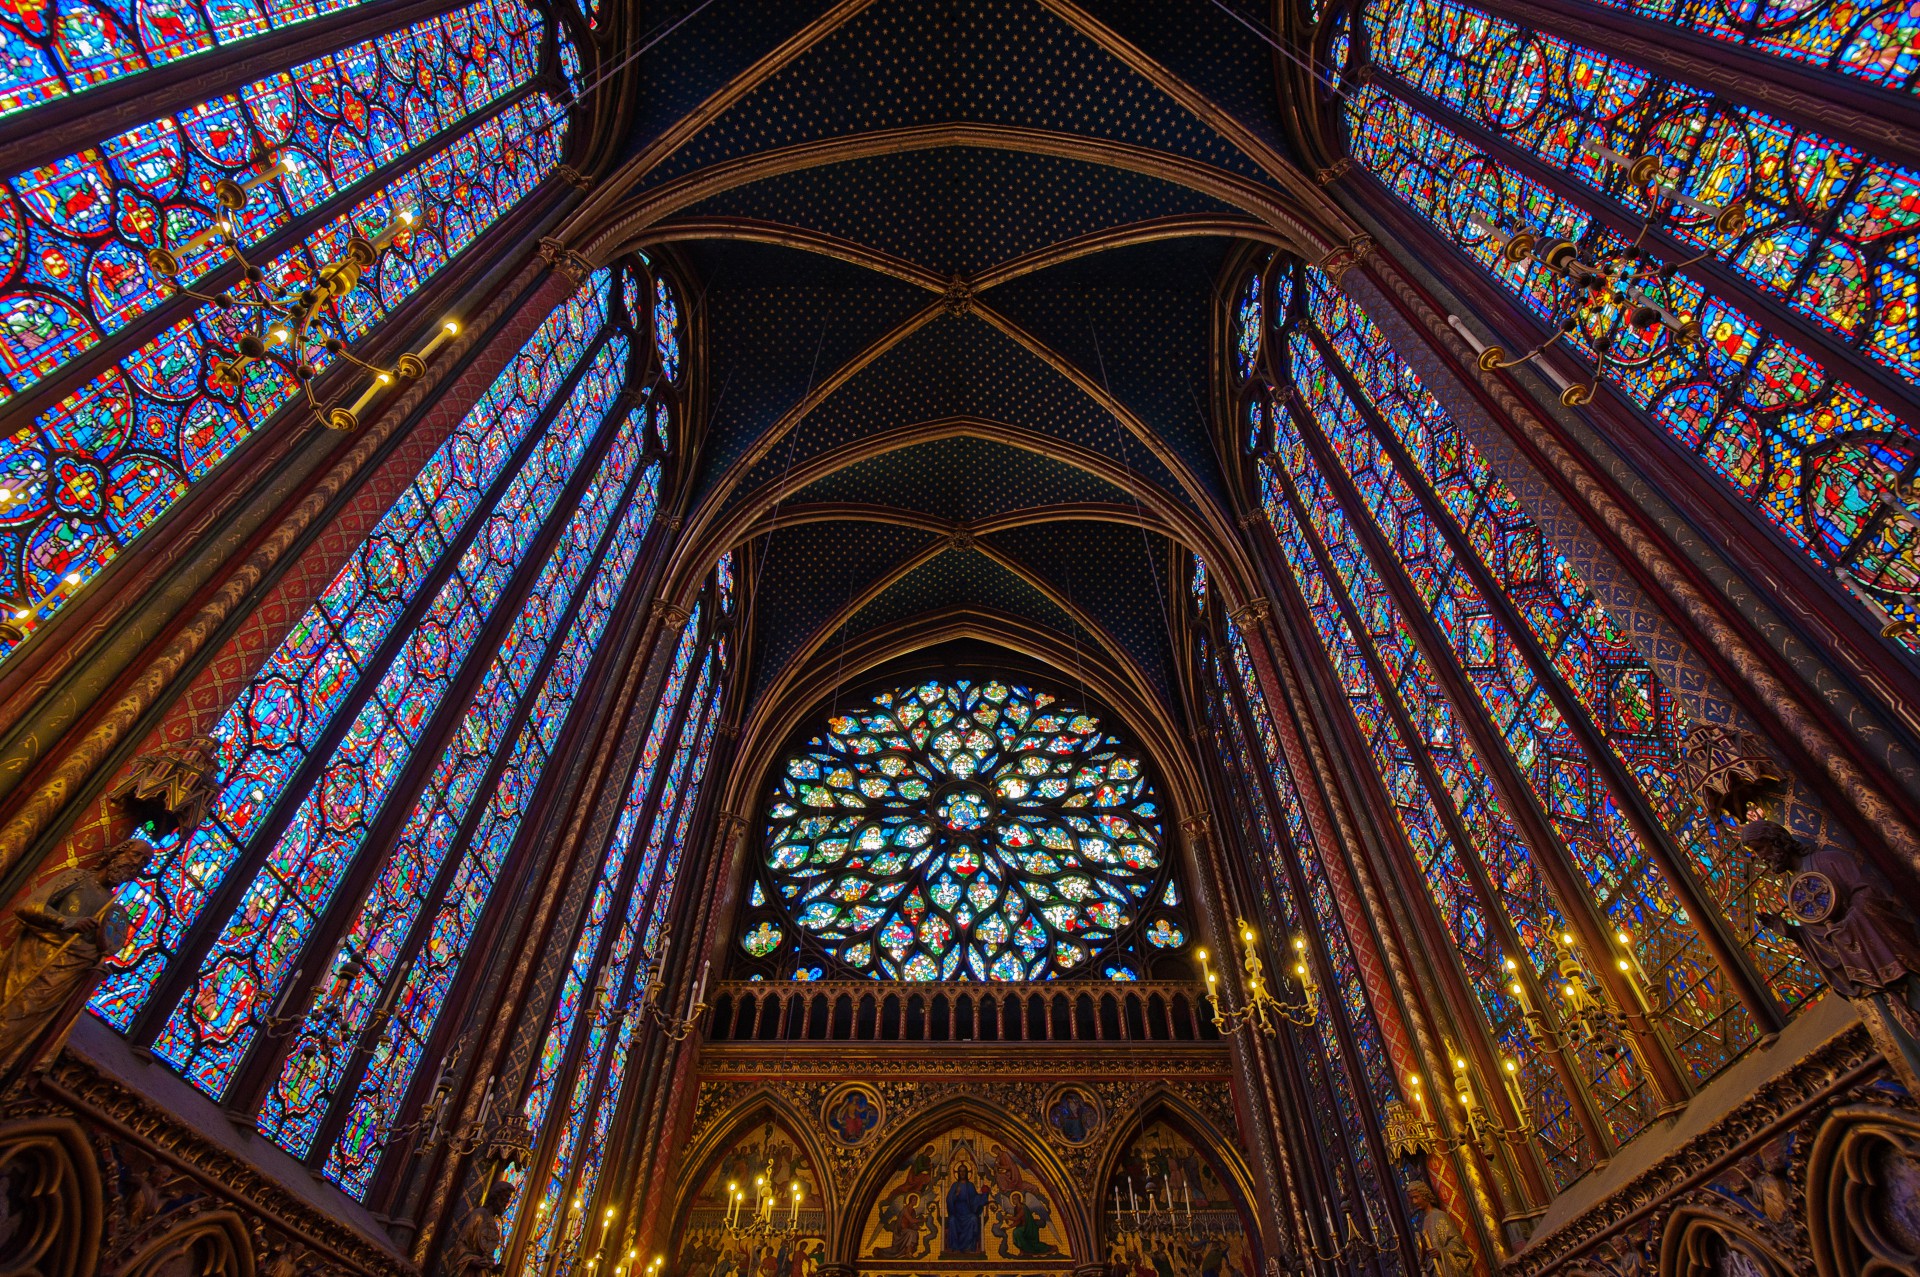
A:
{"x":956,"y":265}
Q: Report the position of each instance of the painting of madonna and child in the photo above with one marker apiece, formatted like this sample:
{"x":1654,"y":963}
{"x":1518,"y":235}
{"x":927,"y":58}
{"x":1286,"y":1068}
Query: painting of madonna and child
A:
{"x":720,"y":1239}
{"x":964,"y":1201}
{"x":1169,"y":1213}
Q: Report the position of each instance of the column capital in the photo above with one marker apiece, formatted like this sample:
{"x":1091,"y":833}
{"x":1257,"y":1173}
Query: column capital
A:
{"x":671,"y":615}
{"x":564,"y":260}
{"x":1253,"y":612}
{"x":1198,"y":825}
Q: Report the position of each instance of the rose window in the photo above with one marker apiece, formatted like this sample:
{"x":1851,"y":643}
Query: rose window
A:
{"x":962,"y":830}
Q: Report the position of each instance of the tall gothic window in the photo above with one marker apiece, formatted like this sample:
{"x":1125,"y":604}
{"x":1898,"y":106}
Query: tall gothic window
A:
{"x":1526,"y":749}
{"x":376,"y":772}
{"x":1796,"y":393}
{"x":963,"y":829}
{"x":1348,"y":1089}
{"x":619,"y":947}
{"x":112,"y":374}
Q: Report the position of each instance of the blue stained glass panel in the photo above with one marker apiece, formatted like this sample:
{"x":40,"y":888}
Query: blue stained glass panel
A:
{"x":258,"y":947}
{"x":283,"y":711}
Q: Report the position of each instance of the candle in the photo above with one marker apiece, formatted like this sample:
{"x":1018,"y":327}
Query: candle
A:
{"x":1116,"y":1200}
{"x":699,"y":986}
{"x":1187,"y":1188}
{"x":1132,"y":1200}
{"x":486,"y":1105}
{"x":1419,"y":1096}
{"x":393,"y":988}
{"x":285,"y":993}
{"x":793,"y":1215}
{"x":345,"y":419}
{"x":1518,"y":988}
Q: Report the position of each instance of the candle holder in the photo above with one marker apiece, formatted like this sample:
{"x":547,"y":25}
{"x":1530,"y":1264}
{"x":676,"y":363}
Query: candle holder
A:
{"x":1260,"y":1009}
{"x":292,"y":327}
{"x":676,"y":1028}
{"x":1352,"y":1247}
{"x":1411,"y":1131}
{"x":1615,"y":293}
{"x":1585,"y":1012}
{"x":765,"y":1218}
{"x":1158,"y":1222}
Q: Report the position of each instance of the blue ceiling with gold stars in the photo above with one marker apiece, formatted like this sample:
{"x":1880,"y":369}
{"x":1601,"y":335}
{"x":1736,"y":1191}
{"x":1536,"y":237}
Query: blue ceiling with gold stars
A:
{"x":957,"y":280}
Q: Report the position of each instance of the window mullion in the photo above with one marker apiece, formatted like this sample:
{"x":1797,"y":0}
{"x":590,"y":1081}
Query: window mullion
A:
{"x":28,"y":140}
{"x":185,"y":962}
{"x":1608,"y":214}
{"x":451,"y":862}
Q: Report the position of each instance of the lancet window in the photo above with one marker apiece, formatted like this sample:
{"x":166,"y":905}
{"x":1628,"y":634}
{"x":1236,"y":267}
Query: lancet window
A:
{"x":963,"y":830}
{"x":1526,"y":749}
{"x":1787,"y":249}
{"x":617,"y":954}
{"x":1348,"y":1078}
{"x":379,"y":771}
{"x":434,"y":130}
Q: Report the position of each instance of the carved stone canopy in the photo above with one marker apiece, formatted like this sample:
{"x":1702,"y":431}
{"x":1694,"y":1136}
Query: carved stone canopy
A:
{"x":1728,"y":770}
{"x":168,"y":788}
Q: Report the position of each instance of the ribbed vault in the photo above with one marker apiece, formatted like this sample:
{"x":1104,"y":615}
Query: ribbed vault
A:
{"x":956,"y":269}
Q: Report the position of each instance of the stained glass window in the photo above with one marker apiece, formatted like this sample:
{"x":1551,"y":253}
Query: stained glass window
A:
{"x":79,"y":228}
{"x":94,"y":471}
{"x":51,"y":48}
{"x":666,"y":327}
{"x":1249,"y":327}
{"x":606,"y":1009}
{"x":1626,"y":703}
{"x":965,"y":830}
{"x":1811,"y":452}
{"x":1197,"y":583}
{"x":257,"y":949}
{"x":1874,"y":42}
{"x":285,"y":710}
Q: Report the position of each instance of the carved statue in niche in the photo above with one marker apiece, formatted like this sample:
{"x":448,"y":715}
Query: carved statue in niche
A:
{"x":70,"y":923}
{"x":1852,"y":930}
{"x":476,"y":1238}
{"x":1443,"y":1251}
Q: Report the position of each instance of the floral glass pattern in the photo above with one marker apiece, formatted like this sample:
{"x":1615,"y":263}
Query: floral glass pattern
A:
{"x":52,"y":48}
{"x":964,"y":829}
{"x":1249,"y":327}
{"x":666,"y":327}
{"x":1872,"y":41}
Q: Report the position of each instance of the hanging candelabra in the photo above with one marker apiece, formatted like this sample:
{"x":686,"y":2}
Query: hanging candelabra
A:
{"x":765,"y":1219}
{"x":1615,"y":292}
{"x":290,"y":320}
{"x":1586,"y":1013}
{"x":676,"y":1028}
{"x":1413,"y":1131}
{"x":1348,"y":1245}
{"x":1259,"y":1008}
{"x":1159,"y":1221}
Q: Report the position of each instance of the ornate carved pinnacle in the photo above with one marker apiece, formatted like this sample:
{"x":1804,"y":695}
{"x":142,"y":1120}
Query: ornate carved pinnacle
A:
{"x":169,"y":788}
{"x":1251,"y":613}
{"x":573,"y":265}
{"x":959,"y":297}
{"x":1334,"y":171}
{"x":574,"y":177}
{"x":1727,"y":770}
{"x":1344,"y":258}
{"x":671,"y":615}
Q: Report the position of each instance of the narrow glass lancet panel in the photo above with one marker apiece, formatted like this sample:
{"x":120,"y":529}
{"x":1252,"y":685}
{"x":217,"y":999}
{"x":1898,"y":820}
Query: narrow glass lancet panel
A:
{"x":1332,"y":931}
{"x":610,"y":1035}
{"x":254,"y":954}
{"x":1830,"y":231}
{"x":1462,"y":910}
{"x":1340,"y":1118}
{"x":327,"y":1041}
{"x":100,"y":467}
{"x":396,"y":1057}
{"x":52,"y":48}
{"x":280,"y":716}
{"x":1627,"y":704}
{"x":600,"y":908}
{"x":1875,"y":42}
{"x":1808,"y":452}
{"x":73,"y":251}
